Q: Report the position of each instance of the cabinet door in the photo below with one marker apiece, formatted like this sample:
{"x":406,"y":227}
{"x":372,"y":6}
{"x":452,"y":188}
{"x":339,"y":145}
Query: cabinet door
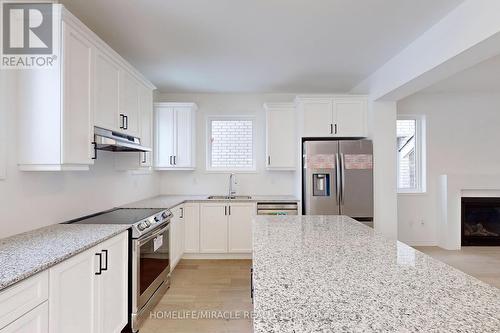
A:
{"x":184,"y":137}
{"x":146,"y":109}
{"x":240,"y":227}
{"x":281,"y":139}
{"x":78,"y":53}
{"x":317,"y":118}
{"x":129,"y":103}
{"x":112,"y":285}
{"x":213,"y":228}
{"x":164,"y":137}
{"x":107,"y":87}
{"x":351,"y":117}
{"x":175,"y":226}
{"x":72,"y":295}
{"x":192,"y":228}
{"x":181,"y":234}
{"x":35,"y":321}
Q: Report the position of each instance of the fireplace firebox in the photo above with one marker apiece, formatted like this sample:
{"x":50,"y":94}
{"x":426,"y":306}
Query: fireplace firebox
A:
{"x":480,"y":221}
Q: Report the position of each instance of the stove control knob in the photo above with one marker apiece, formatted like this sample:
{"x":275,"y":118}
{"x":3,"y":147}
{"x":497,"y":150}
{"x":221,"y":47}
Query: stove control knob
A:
{"x":157,"y":219}
{"x":148,"y":223}
{"x":164,"y":215}
{"x":142,"y":226}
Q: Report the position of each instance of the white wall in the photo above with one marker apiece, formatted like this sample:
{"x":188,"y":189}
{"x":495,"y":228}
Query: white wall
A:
{"x":202,"y":182}
{"x":462,"y":138}
{"x":29,"y":200}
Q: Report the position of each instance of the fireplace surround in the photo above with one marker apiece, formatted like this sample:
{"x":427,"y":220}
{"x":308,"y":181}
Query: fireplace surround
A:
{"x":480,"y":221}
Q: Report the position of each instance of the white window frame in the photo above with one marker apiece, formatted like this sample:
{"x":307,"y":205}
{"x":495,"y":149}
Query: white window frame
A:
{"x":209,"y":168}
{"x":420,"y":155}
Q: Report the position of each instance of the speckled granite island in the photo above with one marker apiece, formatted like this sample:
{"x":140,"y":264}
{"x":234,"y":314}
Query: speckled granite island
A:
{"x":333,"y":274}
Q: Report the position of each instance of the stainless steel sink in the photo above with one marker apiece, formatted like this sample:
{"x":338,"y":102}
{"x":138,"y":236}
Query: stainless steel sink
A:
{"x":225,"y":197}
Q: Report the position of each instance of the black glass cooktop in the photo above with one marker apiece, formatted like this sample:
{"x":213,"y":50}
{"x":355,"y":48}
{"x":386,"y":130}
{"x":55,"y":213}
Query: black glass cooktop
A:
{"x":119,"y":216}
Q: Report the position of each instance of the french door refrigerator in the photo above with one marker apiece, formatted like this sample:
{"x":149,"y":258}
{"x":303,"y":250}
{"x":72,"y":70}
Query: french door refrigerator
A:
{"x":337,"y":178}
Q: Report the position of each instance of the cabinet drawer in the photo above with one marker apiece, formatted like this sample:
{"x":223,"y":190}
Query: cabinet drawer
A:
{"x":35,"y":321}
{"x":23,"y":297}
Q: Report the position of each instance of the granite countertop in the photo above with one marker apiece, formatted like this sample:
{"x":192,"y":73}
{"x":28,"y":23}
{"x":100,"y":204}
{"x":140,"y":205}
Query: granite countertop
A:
{"x":333,"y":274}
{"x":26,"y":254}
{"x":170,"y":201}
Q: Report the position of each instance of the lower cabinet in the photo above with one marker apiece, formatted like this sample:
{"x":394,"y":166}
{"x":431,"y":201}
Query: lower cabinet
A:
{"x":192,"y":228}
{"x":88,"y":293}
{"x":226,"y":227}
{"x":35,"y":321}
{"x":112,"y":286}
{"x":177,"y":235}
{"x":213,"y":227}
{"x":240,"y":227}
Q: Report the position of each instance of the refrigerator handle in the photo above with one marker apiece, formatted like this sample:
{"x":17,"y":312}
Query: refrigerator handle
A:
{"x":337,"y":179}
{"x":342,"y":183}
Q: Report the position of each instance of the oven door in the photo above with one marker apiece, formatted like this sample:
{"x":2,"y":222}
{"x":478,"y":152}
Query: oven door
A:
{"x":152,"y":263}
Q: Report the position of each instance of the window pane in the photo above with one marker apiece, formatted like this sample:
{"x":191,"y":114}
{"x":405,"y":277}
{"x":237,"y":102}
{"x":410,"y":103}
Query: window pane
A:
{"x":232,"y":144}
{"x":407,"y":178}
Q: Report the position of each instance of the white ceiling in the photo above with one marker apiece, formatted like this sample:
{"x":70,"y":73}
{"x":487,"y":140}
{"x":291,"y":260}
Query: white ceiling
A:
{"x":292,"y":46}
{"x":484,"y":77}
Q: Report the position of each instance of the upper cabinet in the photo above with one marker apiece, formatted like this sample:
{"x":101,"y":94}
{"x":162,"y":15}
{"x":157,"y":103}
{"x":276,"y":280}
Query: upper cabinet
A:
{"x":333,"y":116}
{"x":281,"y":136}
{"x":175,"y":137}
{"x":129,"y":104}
{"x":107,"y":92}
{"x":146,"y":112}
{"x":88,"y":85}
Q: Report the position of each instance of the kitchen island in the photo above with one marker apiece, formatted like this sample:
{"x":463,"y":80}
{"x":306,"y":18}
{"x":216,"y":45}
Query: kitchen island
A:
{"x":333,"y":274}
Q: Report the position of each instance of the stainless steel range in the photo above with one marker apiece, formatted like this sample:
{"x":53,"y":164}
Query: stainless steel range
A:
{"x":150,"y":255}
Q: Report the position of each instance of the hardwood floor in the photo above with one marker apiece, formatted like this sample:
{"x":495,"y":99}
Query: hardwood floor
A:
{"x":480,"y":262}
{"x":219,"y":289}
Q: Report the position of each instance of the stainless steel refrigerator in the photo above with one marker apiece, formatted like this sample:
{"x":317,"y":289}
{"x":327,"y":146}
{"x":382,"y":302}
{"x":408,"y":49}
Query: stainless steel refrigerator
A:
{"x":337,"y":178}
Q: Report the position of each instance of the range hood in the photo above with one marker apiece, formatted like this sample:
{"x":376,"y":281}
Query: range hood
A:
{"x":115,"y":141}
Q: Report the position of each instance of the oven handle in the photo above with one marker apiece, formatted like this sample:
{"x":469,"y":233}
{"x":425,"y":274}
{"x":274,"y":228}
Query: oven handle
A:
{"x":147,"y":238}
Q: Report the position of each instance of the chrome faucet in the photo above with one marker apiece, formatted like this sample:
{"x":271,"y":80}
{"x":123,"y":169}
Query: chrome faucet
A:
{"x":232,"y":179}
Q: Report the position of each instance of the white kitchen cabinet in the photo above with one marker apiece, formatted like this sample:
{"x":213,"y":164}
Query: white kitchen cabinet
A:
{"x":146,"y":111}
{"x":35,"y":321}
{"x":177,"y":231}
{"x":281,"y":136}
{"x":240,"y":227}
{"x":88,"y":85}
{"x":129,"y":104}
{"x":56,"y":110}
{"x":21,"y":298}
{"x":213,"y":227}
{"x":89,"y":292}
{"x":107,"y":92}
{"x":112,"y":285}
{"x":72,"y":294}
{"x":317,"y":117}
{"x":333,"y":116}
{"x":351,"y":116}
{"x":192,"y":228}
{"x":175,"y":136}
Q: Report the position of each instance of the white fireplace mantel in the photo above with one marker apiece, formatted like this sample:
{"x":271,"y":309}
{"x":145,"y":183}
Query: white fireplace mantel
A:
{"x":451,"y":189}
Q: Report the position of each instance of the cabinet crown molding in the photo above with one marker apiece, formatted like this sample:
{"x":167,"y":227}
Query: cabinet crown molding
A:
{"x":191,"y":105}
{"x":273,"y":106}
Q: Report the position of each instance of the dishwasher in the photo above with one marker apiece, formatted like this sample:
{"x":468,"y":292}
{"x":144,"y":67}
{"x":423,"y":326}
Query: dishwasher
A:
{"x":277,"y":208}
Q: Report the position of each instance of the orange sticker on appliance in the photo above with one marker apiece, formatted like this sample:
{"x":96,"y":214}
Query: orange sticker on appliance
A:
{"x":358,"y":161}
{"x":321,"y":161}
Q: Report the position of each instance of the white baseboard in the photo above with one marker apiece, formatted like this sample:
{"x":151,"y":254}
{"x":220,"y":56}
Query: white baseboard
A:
{"x":419,"y":242}
{"x":217,"y":256}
